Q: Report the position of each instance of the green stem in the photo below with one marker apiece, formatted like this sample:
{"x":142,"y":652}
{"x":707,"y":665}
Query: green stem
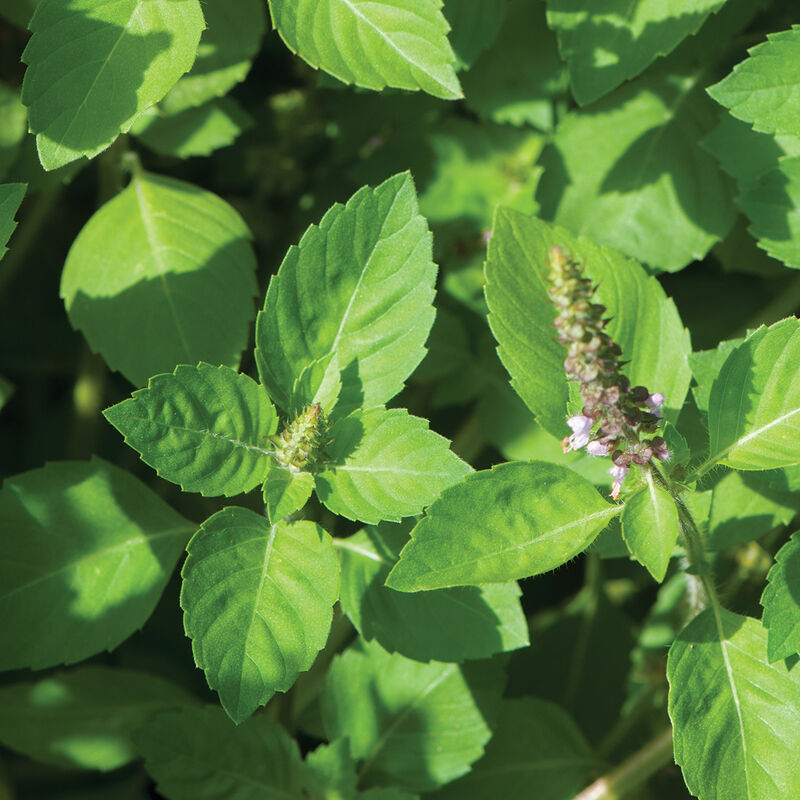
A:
{"x":633,"y":772}
{"x":469,"y":441}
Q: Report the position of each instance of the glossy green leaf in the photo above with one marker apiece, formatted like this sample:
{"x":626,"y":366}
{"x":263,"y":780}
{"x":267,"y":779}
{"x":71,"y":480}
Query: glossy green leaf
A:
{"x":498,"y":525}
{"x":197,"y":131}
{"x":764,"y":89}
{"x":360,"y":285}
{"x":518,"y":77}
{"x":199,"y":754}
{"x":93,"y":68}
{"x":83,"y":718}
{"x":650,"y":527}
{"x":645,"y":322}
{"x":412,"y":725}
{"x":630,"y":173}
{"x":399,"y":43}
{"x":536,"y":744}
{"x":442,"y":625}
{"x":257,"y":601}
{"x":88,"y":550}
{"x":232,"y":37}
{"x":772,"y":204}
{"x":11,"y":195}
{"x":205,"y":428}
{"x":754,"y":408}
{"x":736,"y":718}
{"x":285,"y":491}
{"x":608,"y":45}
{"x":473,"y":27}
{"x":385,"y":465}
{"x":163,"y":274}
{"x":781,"y":603}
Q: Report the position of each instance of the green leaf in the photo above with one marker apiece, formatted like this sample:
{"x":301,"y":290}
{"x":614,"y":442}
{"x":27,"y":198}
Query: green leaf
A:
{"x":17,"y":12}
{"x":442,"y":625}
{"x":360,"y":285}
{"x":258,"y":604}
{"x":205,"y":428}
{"x":13,"y":127}
{"x":163,"y":274}
{"x":772,"y":204}
{"x":535,"y":744}
{"x":764,"y":89}
{"x":604,"y":47}
{"x":193,"y":132}
{"x":513,"y":521}
{"x":92,"y":69}
{"x":706,"y":365}
{"x":399,"y":43}
{"x":318,"y":383}
{"x":630,"y":173}
{"x":736,"y":718}
{"x":198,"y":754}
{"x":650,"y":527}
{"x":780,"y":602}
{"x":516,"y":79}
{"x":474,"y":27}
{"x":87,"y":552}
{"x":285,"y":491}
{"x":413,"y":725}
{"x":7,"y":389}
{"x":384,"y":465}
{"x":11,"y":195}
{"x":645,"y":322}
{"x":331,"y":771}
{"x":754,"y":408}
{"x":232,"y":37}
{"x":83,"y":718}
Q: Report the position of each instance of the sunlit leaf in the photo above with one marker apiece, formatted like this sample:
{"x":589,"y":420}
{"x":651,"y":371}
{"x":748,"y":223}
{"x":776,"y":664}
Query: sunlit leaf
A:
{"x":781,"y":603}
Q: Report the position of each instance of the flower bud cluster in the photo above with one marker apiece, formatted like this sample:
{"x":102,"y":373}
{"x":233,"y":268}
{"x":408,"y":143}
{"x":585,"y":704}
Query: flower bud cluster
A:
{"x":617,"y":419}
{"x":300,"y":446}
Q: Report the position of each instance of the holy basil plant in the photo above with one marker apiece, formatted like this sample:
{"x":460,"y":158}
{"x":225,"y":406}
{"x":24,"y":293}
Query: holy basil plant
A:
{"x":495,"y":494}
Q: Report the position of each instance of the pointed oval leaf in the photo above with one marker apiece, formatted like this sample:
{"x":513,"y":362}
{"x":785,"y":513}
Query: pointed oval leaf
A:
{"x":413,"y":725}
{"x":87,"y":552}
{"x":359,"y":285}
{"x":645,"y":322}
{"x":781,"y":604}
{"x":442,"y":625}
{"x":11,"y":195}
{"x":605,"y":46}
{"x":764,"y":89}
{"x":257,"y":601}
{"x":736,"y":718}
{"x":384,"y":465}
{"x":205,"y":428}
{"x":83,"y":718}
{"x":650,"y":527}
{"x":754,"y":408}
{"x":285,"y":491}
{"x":94,"y":67}
{"x":163,"y":274}
{"x":199,"y":754}
{"x":513,"y":521}
{"x":399,"y":43}
{"x":473,"y":27}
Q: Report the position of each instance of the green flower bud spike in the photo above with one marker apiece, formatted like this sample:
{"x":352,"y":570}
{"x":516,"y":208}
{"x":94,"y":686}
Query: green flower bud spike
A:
{"x":300,"y":446}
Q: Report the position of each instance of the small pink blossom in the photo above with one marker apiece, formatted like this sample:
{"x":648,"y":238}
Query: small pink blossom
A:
{"x":581,"y":427}
{"x":487,"y":234}
{"x":654,"y":403}
{"x":662,"y":454}
{"x":597,"y":449}
{"x":618,"y":474}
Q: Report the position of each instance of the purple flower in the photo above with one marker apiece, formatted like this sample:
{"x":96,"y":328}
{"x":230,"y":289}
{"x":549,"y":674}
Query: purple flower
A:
{"x":597,"y":449}
{"x":581,"y":426}
{"x":654,"y":403}
{"x":486,"y":235}
{"x":618,"y":474}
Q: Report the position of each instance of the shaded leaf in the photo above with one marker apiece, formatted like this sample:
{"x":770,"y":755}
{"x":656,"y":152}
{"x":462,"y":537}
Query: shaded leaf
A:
{"x":11,"y":195}
{"x":473,"y":27}
{"x":13,"y":127}
{"x":416,"y":726}
{"x":205,"y":428}
{"x":257,"y":601}
{"x":331,"y":771}
{"x":175,"y":256}
{"x":781,"y":601}
{"x":441,"y":625}
{"x":736,"y":718}
{"x":510,"y":522}
{"x":93,"y":68}
{"x":399,"y":43}
{"x":88,"y":550}
{"x":384,"y":465}
{"x":645,"y":322}
{"x":706,"y":365}
{"x":83,"y":718}
{"x":359,"y":285}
